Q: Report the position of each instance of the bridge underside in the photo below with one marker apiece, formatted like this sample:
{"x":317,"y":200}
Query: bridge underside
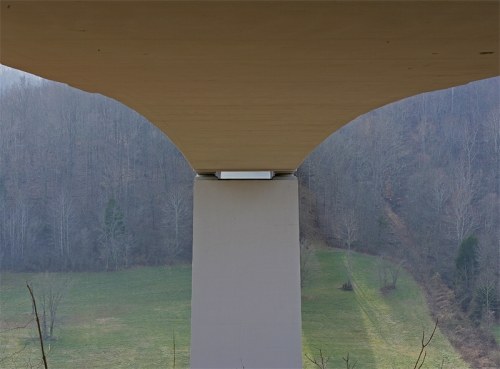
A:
{"x":250,"y":86}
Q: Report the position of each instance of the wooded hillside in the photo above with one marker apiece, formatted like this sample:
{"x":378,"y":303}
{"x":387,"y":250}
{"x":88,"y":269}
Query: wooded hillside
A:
{"x":418,"y":175}
{"x":87,"y":184}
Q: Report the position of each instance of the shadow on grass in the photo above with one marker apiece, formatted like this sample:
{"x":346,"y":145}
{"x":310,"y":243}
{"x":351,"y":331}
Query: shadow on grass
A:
{"x":332,"y":318}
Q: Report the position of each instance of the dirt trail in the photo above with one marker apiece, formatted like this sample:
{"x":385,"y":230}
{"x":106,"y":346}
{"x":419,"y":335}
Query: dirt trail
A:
{"x":397,"y":225}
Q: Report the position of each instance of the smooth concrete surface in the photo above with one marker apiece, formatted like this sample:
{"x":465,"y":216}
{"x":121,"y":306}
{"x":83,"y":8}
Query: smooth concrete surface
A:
{"x":245,"y":309}
{"x":252,"y":85}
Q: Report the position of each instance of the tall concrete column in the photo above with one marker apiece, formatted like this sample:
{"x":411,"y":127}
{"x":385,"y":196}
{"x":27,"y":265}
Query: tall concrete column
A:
{"x":245,"y":307}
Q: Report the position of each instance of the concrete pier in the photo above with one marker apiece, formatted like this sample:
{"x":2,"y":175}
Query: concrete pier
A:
{"x":246,"y":274}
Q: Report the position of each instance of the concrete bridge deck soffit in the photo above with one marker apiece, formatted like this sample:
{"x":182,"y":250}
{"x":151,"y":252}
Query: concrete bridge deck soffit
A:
{"x":252,"y":85}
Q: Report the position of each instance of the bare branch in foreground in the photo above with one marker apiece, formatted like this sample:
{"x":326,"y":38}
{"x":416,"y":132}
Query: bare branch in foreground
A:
{"x":324,"y":360}
{"x":348,"y":366}
{"x":38,"y":324}
{"x":424,"y":345}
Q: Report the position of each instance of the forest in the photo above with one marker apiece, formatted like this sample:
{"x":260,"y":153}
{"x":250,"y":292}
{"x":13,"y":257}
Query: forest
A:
{"x":86,"y":184}
{"x":415,"y":178}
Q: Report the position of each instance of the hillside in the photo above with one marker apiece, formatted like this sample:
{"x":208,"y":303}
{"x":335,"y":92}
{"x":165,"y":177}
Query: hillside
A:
{"x":416,"y":179}
{"x":129,"y":317}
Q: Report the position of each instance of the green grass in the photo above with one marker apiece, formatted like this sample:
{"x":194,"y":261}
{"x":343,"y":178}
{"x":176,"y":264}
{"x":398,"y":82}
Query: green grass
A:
{"x":377,"y":331}
{"x":126,"y":320}
{"x":113,"y":320}
{"x":496,"y":332}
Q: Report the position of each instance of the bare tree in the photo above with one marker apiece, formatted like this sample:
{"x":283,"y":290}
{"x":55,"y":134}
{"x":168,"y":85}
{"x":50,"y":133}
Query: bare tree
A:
{"x":388,"y":273}
{"x":309,"y":265}
{"x":128,"y":243}
{"x":50,"y":289}
{"x":492,"y":127}
{"x":468,"y":139}
{"x":63,"y":223}
{"x":176,"y":224}
{"x":487,"y":293}
{"x":20,"y":230}
{"x":487,"y":299}
{"x":350,"y":234}
{"x":424,"y":209}
{"x":83,"y":255}
{"x":461,"y":214}
{"x":385,"y":150}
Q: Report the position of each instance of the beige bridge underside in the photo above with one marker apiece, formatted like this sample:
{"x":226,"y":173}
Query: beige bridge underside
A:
{"x":252,"y":85}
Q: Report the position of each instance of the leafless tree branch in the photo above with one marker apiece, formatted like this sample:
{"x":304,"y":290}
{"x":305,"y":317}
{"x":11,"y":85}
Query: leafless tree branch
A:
{"x":424,"y":345}
{"x":38,"y":325}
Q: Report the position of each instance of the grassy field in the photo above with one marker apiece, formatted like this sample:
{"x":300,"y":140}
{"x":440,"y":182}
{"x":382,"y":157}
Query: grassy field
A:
{"x":127,"y":319}
{"x":377,"y":331}
{"x":112,"y":320}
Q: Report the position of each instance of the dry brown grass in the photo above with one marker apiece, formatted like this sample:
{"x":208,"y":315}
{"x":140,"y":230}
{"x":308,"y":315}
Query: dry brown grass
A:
{"x":476,"y":346}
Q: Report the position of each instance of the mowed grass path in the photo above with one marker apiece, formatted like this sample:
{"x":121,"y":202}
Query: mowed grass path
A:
{"x":377,"y":331}
{"x":126,"y":319}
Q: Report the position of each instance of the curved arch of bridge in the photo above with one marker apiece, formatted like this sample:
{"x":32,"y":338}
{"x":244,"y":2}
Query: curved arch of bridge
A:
{"x":252,"y":85}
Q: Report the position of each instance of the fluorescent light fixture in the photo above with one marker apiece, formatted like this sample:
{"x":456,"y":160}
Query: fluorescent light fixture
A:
{"x":245,"y":175}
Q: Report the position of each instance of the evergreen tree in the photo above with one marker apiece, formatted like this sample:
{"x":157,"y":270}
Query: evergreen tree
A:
{"x":113,"y":219}
{"x":466,"y":262}
{"x":114,"y":230}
